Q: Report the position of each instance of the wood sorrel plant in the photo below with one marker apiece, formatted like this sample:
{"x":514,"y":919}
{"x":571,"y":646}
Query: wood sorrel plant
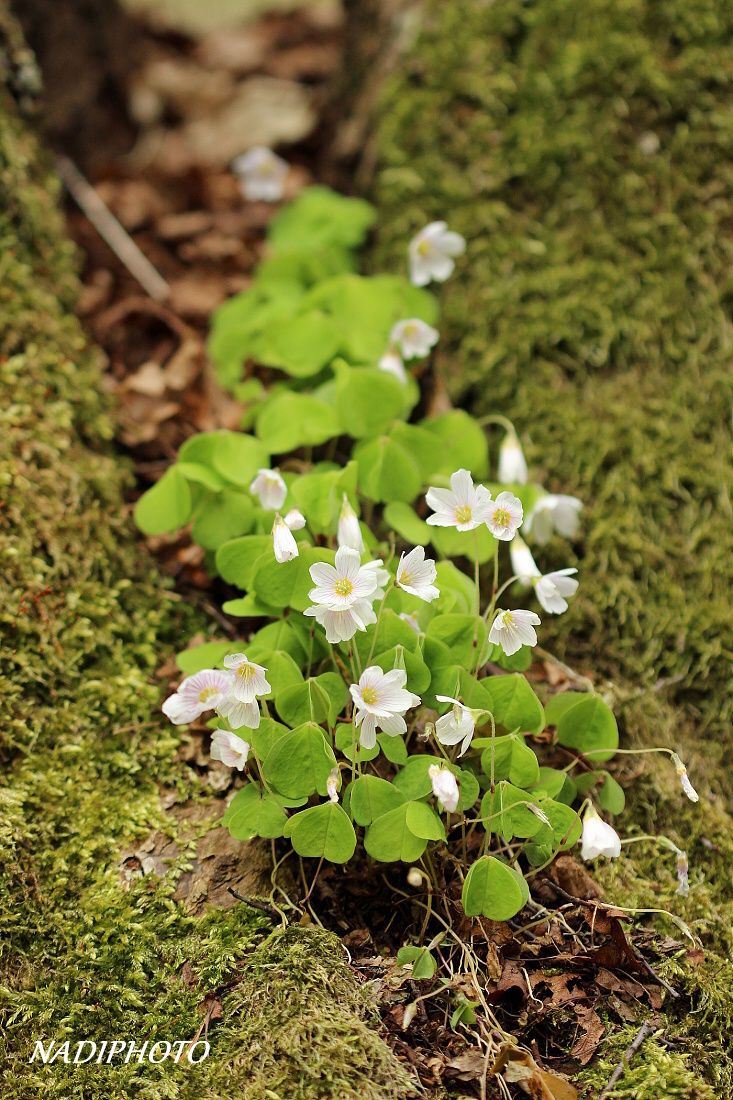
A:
{"x":401,"y":704}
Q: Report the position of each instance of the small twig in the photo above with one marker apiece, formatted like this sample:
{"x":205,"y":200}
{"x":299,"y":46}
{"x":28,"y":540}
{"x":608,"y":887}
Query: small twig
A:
{"x":271,"y":913}
{"x":111,"y":231}
{"x":646,"y":1029}
{"x":657,"y":978}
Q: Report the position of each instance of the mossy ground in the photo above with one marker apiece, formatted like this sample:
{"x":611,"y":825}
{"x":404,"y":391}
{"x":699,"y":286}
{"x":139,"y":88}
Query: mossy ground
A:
{"x":85,"y":622}
{"x":584,"y":148}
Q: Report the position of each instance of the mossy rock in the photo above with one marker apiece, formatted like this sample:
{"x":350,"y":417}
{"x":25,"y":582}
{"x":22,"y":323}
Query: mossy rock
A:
{"x":86,"y":620}
{"x":584,"y":148}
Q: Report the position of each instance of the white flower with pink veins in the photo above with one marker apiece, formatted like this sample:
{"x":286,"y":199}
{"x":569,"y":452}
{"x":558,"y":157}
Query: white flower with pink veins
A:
{"x":196,"y":694}
{"x":229,"y":748}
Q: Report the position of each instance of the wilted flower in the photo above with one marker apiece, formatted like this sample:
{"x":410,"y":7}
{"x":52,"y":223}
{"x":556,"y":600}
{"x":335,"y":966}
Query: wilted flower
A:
{"x":464,"y":505}
{"x":380,"y":700}
{"x":415,"y":877}
{"x":229,"y":748}
{"x":513,"y":629}
{"x":681,"y":770}
{"x":332,"y":784}
{"x":552,"y":588}
{"x":431,"y":253}
{"x":445,"y":787}
{"x":261,"y":174}
{"x":198,"y":693}
{"x":512,"y":463}
{"x":414,"y":338}
{"x":349,"y":531}
{"x":554,"y":512}
{"x":270,"y":489}
{"x":249,"y":678}
{"x":391,"y":363}
{"x":284,"y":545}
{"x":505,"y":516}
{"x":457,"y":725}
{"x":682,"y":871}
{"x":415,"y":575}
{"x":344,"y":584}
{"x":598,"y":838}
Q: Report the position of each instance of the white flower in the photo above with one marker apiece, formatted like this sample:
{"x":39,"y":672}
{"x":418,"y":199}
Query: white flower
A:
{"x":524,"y":566}
{"x":295,"y":519}
{"x":512,"y":463}
{"x":413,"y":337}
{"x":457,"y":725}
{"x":505,"y":516}
{"x":682,"y":871}
{"x":341,"y":586}
{"x":598,"y":838}
{"x":380,"y":700}
{"x":556,"y":512}
{"x":249,"y":678}
{"x":261,"y":174}
{"x":416,"y":575}
{"x":270,"y":488}
{"x":391,"y":363}
{"x":445,"y":787}
{"x":341,"y":626}
{"x":684,"y":779}
{"x":229,"y":748}
{"x":464,"y":505}
{"x":349,"y":531}
{"x":283,"y":543}
{"x":412,"y":620}
{"x":430,"y":253}
{"x":513,"y":629}
{"x":383,"y":577}
{"x":552,"y":588}
{"x":198,"y":693}
{"x":239,"y":714}
{"x":332,"y":784}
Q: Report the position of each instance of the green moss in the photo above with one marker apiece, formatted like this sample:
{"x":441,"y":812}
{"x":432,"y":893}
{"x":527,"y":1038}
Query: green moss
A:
{"x":584,"y":149}
{"x":85,"y":622}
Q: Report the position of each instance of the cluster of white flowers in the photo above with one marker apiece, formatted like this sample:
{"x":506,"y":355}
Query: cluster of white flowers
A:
{"x":232,"y":692}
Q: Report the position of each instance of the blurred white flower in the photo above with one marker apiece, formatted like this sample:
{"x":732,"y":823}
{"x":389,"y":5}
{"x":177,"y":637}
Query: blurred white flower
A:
{"x":340,"y":586}
{"x":391,"y":363}
{"x":295,"y":519}
{"x":512,"y":463}
{"x":431,"y":253}
{"x":457,"y":725}
{"x":598,"y":838}
{"x":554,"y":512}
{"x":332,"y":784}
{"x":412,"y":620}
{"x":196,"y":694}
{"x":261,"y":174}
{"x":249,"y":678}
{"x":684,"y":779}
{"x":552,"y":588}
{"x":682,"y":872}
{"x":505,"y":516}
{"x":524,"y":566}
{"x":349,"y":531}
{"x":513,"y":629}
{"x":413,"y":337}
{"x":380,"y":701}
{"x":415,"y":575}
{"x":383,"y":578}
{"x":229,"y":748}
{"x":415,"y":877}
{"x":270,"y":489}
{"x":445,"y":787}
{"x":463,"y":506}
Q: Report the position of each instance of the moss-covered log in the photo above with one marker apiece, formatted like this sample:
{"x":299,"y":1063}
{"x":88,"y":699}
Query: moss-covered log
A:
{"x":86,"y":620}
{"x":584,"y":148}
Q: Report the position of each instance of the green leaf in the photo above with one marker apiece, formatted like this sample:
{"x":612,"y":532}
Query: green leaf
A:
{"x":166,"y":506}
{"x":319,"y":218}
{"x":588,"y":727}
{"x":393,"y":631}
{"x":563,"y":831}
{"x":249,"y":607}
{"x":413,"y":780}
{"x":454,"y":544}
{"x":458,"y":632}
{"x":302,"y":347}
{"x":287,"y":584}
{"x":513,"y":759}
{"x":468,"y":786}
{"x":423,"y":821}
{"x":368,"y":400}
{"x":319,"y":495}
{"x":291,"y":420}
{"x":306,"y":702}
{"x":493,"y":889}
{"x":405,"y":522}
{"x":389,"y":839}
{"x":208,"y":655}
{"x":418,"y":673}
{"x":419,"y":959}
{"x":372,"y":797}
{"x":220,"y":517}
{"x":387,"y":472}
{"x":516,"y":706}
{"x":558,"y":705}
{"x":611,"y":795}
{"x":346,"y":736}
{"x":201,"y":475}
{"x":264,"y":737}
{"x":462,"y":444}
{"x":238,"y":457}
{"x":556,"y":785}
{"x":251,"y":814}
{"x":450,"y":578}
{"x":300,"y":762}
{"x":282,"y":635}
{"x":393,"y":748}
{"x":508,"y":813}
{"x":236,"y":559}
{"x":323,"y":830}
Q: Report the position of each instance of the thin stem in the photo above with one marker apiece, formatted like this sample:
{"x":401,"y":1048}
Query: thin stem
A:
{"x":379,"y":619}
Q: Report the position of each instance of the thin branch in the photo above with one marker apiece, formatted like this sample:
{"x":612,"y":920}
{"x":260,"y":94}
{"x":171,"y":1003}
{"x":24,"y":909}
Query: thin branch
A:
{"x":646,"y":1029}
{"x":271,"y":913}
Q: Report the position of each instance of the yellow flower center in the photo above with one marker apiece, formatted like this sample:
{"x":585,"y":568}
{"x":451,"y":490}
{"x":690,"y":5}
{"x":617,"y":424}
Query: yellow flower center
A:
{"x":405,"y":578}
{"x":501,"y":516}
{"x":410,"y":330}
{"x":266,"y":168}
{"x":343,"y":587}
{"x":369,"y":695}
{"x":246,"y":671}
{"x":507,"y":619}
{"x":206,"y":694}
{"x":425,"y":248}
{"x":463,"y":513}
